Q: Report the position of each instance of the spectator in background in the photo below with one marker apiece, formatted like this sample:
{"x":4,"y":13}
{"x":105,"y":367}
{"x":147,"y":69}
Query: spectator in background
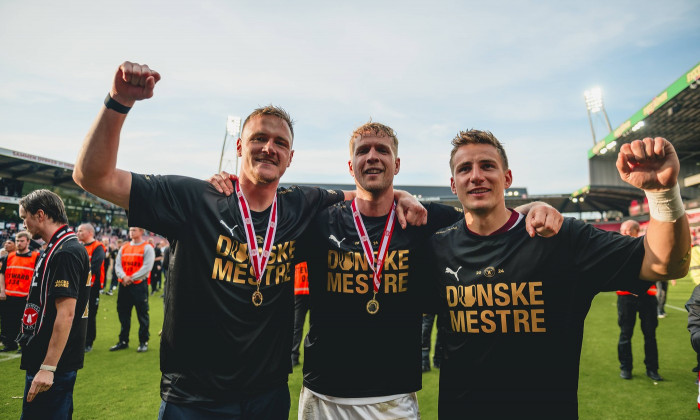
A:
{"x":157,"y":266}
{"x":133,"y":267}
{"x":15,"y":279}
{"x":661,"y":291}
{"x":96,"y":252}
{"x":628,"y":306}
{"x":113,"y":251}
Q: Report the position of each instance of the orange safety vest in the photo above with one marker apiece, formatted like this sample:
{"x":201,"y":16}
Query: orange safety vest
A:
{"x":651,"y":291}
{"x":90,"y":249}
{"x":301,"y":279}
{"x":132,"y":259}
{"x":18,"y":273}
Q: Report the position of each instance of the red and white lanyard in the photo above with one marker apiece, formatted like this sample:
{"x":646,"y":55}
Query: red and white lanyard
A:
{"x":367,"y":246}
{"x":259,"y":261}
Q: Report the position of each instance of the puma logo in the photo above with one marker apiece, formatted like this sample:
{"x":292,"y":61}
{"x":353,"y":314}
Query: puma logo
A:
{"x":226,"y":226}
{"x":334,"y":239}
{"x":454,"y":273}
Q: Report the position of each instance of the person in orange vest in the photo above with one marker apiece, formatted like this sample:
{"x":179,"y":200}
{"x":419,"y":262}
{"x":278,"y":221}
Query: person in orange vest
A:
{"x":301,"y":307}
{"x":628,"y":305}
{"x":15,"y":279}
{"x":96,"y":252}
{"x":133,"y":266}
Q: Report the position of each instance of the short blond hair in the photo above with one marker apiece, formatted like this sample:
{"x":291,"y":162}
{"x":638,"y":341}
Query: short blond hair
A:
{"x":374,"y":129}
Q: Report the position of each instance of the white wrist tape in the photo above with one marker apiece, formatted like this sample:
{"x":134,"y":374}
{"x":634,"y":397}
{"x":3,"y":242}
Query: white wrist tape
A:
{"x":666,"y":206}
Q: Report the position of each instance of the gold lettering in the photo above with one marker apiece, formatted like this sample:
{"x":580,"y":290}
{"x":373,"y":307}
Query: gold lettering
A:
{"x":487,"y":318}
{"x":332,"y":260}
{"x":361,"y":263}
{"x":403,"y":259}
{"x":501,"y":290}
{"x":538,"y":320}
{"x":240,"y":273}
{"x":361,"y":280}
{"x":467,"y":296}
{"x":471,"y":321}
{"x":534,"y":292}
{"x":239,"y":253}
{"x":517,"y":291}
{"x":347,"y":283}
{"x":280,"y":271}
{"x":389,"y":281}
{"x":503,"y":314}
{"x":223,"y":246}
{"x":222,"y":271}
{"x":457,"y":322}
{"x":402,"y":281}
{"x":389,"y":260}
{"x":451,"y":296}
{"x":485,"y":296}
{"x":520,"y":317}
{"x":346,"y":261}
{"x":334,"y":282}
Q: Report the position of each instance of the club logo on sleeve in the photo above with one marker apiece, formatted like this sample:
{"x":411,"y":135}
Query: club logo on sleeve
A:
{"x":31,"y":314}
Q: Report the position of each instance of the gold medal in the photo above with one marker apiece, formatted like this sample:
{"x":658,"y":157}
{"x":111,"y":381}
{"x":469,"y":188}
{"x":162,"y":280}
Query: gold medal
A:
{"x":257,"y":298}
{"x":373,"y":306}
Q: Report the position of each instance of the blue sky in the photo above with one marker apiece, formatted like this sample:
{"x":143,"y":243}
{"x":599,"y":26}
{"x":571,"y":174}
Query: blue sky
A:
{"x":428,"y":70}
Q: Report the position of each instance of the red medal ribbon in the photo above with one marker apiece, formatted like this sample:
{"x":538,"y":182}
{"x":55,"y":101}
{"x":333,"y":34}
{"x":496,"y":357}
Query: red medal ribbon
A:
{"x":367,"y":246}
{"x":259,"y":261}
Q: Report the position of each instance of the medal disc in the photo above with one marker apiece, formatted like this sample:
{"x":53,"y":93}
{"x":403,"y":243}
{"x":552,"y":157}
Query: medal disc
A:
{"x":257,"y":298}
{"x":373,"y":306}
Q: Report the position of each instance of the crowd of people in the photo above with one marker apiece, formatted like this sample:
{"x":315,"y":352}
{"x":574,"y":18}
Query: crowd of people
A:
{"x":502,"y":281}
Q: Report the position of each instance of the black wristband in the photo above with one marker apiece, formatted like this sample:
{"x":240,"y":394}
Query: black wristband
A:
{"x":116,"y":106}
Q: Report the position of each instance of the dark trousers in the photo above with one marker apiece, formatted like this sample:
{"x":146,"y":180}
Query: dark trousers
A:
{"x":93,"y":304}
{"x":134,"y":295}
{"x":270,"y":405}
{"x":301,"y":306}
{"x":155,"y":280}
{"x":426,"y":335}
{"x":661,"y":290}
{"x":627,"y":308}
{"x":11,"y":320}
{"x":115,"y":280}
{"x":54,"y":404}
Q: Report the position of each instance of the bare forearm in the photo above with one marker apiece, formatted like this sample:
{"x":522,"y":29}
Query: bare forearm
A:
{"x":61,"y":330}
{"x":95,"y":168}
{"x":667,"y":250}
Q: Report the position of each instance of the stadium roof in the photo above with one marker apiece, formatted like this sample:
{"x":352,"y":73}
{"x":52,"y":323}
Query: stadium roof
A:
{"x":673,"y":114}
{"x":30,"y":168}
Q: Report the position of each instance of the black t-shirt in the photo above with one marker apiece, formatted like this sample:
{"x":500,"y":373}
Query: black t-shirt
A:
{"x":349,"y":352}
{"x":68,"y":275}
{"x":514,"y":309}
{"x":215,"y":342}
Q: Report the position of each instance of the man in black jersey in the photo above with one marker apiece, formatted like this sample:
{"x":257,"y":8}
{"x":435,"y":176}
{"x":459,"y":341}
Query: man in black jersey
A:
{"x":55,"y":317}
{"x":515,"y":306}
{"x":230,"y":284}
{"x":375,"y":332}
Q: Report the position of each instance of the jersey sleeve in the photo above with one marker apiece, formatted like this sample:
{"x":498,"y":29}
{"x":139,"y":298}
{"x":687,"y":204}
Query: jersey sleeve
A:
{"x":65,"y":277}
{"x":163,"y":203}
{"x":317,"y":199}
{"x":440,"y":215}
{"x":609,"y":261}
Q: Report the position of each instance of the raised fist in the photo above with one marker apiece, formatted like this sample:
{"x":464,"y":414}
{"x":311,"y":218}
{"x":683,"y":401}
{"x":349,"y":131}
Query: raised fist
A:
{"x":649,"y":164}
{"x":133,"y":82}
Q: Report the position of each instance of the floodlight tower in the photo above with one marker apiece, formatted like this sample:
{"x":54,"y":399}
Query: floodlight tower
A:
{"x":227,"y":162}
{"x":594,"y":105}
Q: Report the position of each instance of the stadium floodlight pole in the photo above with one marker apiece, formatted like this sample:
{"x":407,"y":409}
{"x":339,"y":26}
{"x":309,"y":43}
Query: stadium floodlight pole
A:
{"x":594,"y":104}
{"x":233,"y":126}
